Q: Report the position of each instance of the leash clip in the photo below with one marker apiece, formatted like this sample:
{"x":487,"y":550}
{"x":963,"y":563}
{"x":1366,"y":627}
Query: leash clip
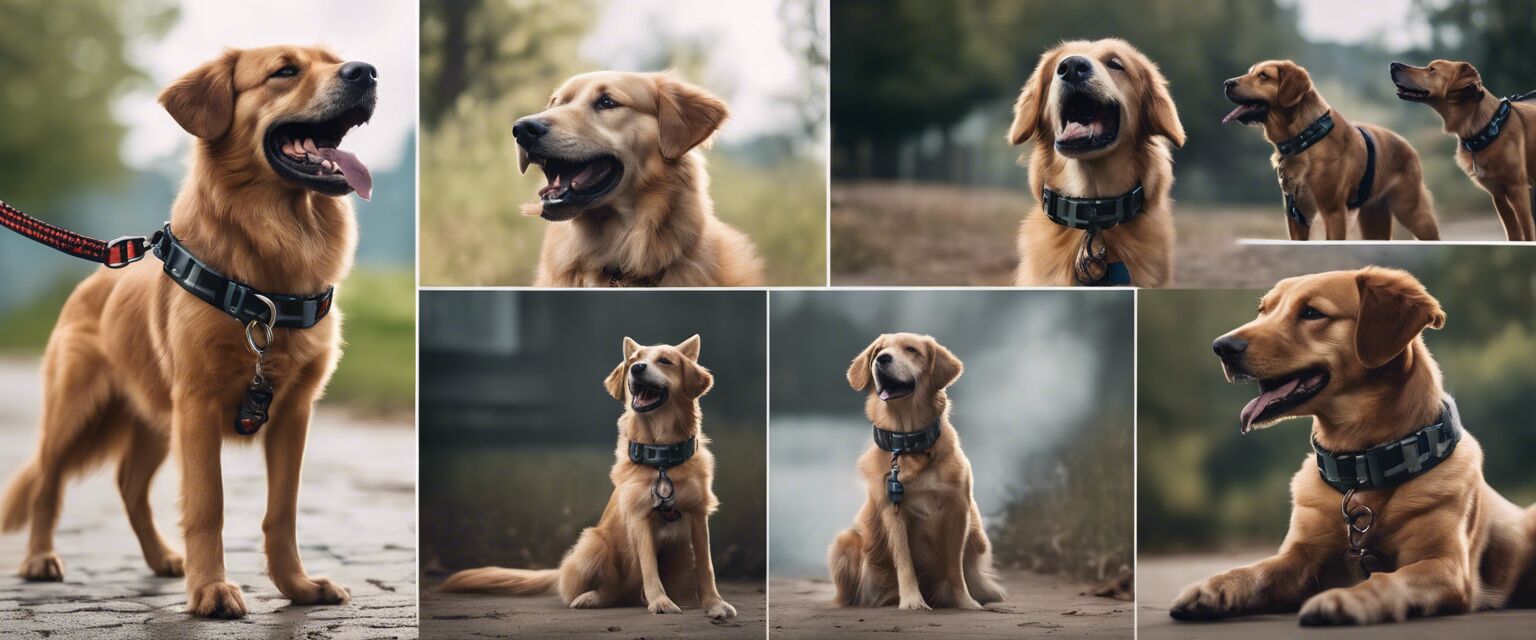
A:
{"x":125,"y":251}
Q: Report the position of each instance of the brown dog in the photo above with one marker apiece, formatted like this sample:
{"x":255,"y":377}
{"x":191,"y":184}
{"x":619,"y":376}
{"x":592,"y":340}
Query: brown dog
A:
{"x":1102,"y":121}
{"x":931,"y":548}
{"x":1504,"y":165}
{"x":1344,"y":347}
{"x":638,"y":553}
{"x":137,"y":367}
{"x":1324,"y":180}
{"x":628,"y":193}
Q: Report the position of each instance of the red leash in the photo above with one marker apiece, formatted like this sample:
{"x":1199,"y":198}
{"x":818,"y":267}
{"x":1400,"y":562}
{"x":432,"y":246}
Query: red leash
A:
{"x":114,"y":254}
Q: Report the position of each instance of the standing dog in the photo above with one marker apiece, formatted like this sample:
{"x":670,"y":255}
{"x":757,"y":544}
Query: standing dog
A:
{"x":1344,"y":347}
{"x":925,"y":546}
{"x":628,"y":193}
{"x":644,"y":550}
{"x":1101,"y":118}
{"x":1327,"y":172}
{"x":1496,"y":147}
{"x":137,"y":367}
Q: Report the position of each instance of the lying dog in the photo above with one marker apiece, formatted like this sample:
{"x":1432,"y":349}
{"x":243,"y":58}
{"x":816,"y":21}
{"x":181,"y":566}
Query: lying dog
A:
{"x":918,"y":541}
{"x":1426,"y":534}
{"x":627,"y":191}
{"x":1497,"y":149}
{"x":1101,"y":119}
{"x":1327,"y":165}
{"x":652,"y":544}
{"x":137,"y":367}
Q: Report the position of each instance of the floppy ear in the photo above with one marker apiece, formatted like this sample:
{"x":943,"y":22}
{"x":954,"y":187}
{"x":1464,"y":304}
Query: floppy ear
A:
{"x":946,"y":367}
{"x":688,"y":115}
{"x":697,"y":380}
{"x":203,"y":101}
{"x":1162,"y":117}
{"x":1029,"y":110}
{"x":858,"y":372}
{"x":1394,"y":309}
{"x":690,"y":347}
{"x":615,"y":381}
{"x":1468,"y":85}
{"x":1295,"y":82}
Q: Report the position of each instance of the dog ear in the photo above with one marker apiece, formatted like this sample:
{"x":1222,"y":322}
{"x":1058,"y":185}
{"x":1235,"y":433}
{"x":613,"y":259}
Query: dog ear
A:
{"x":1029,"y":110}
{"x":615,"y":381}
{"x":858,"y":372}
{"x":1468,"y":82}
{"x":630,"y":347}
{"x":1162,"y":117}
{"x":690,"y":347}
{"x":688,"y":115}
{"x":697,"y":380}
{"x":946,"y":367}
{"x":1394,"y":309}
{"x":1295,"y":83}
{"x":203,"y":101}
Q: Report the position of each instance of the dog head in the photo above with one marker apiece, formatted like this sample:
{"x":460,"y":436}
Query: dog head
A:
{"x":899,"y":365}
{"x":1089,"y":98}
{"x":604,"y":134}
{"x":659,"y":376}
{"x":278,"y":114}
{"x":1322,"y":339}
{"x":1272,"y":86}
{"x":1454,"y":89}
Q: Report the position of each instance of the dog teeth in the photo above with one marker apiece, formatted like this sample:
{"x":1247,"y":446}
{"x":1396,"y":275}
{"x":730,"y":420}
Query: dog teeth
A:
{"x":309,"y":145}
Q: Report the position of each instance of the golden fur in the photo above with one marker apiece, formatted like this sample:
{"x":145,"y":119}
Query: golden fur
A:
{"x":136,"y":368}
{"x":1506,"y":168}
{"x":632,"y":556}
{"x":1324,"y":178}
{"x":1452,"y":544}
{"x":657,"y":225}
{"x":932,"y":550}
{"x":1148,"y":124}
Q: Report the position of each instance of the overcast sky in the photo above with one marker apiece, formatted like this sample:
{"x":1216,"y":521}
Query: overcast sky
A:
{"x":1357,"y":21}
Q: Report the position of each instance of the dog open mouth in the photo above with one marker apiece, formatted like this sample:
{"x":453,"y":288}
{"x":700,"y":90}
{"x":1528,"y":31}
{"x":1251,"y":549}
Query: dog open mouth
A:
{"x":891,"y":388}
{"x":1280,"y":395}
{"x":575,"y":184}
{"x":1088,"y":123}
{"x":1411,"y":93}
{"x":308,"y":153}
{"x":645,"y":396}
{"x":1248,"y":112}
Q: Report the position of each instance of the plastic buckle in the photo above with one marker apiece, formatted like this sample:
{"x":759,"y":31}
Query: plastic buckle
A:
{"x":125,"y":251}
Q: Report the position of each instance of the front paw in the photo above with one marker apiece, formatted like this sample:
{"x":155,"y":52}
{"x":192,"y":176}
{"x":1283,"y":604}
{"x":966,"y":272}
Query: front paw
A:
{"x":315,"y":591}
{"x":720,"y":610}
{"x":662,"y":604}
{"x":967,"y":603}
{"x":914,"y":603}
{"x":170,"y":566}
{"x":216,"y":600}
{"x":1219,"y":596}
{"x":1350,"y":606}
{"x":42,"y":567}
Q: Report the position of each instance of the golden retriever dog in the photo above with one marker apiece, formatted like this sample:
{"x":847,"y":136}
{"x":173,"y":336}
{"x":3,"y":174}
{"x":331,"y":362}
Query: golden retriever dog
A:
{"x":930,"y":549}
{"x":1325,"y":180}
{"x":1502,"y":163}
{"x":1345,"y":349}
{"x":137,"y":368}
{"x":1102,"y":121}
{"x":641,"y":551}
{"x":628,"y":194}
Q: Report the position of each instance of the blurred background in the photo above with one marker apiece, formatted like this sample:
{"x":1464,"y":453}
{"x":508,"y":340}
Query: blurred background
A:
{"x":923,"y":94}
{"x":1043,"y":411}
{"x":486,"y":63}
{"x":1205,"y":488}
{"x":518,"y":433}
{"x":87,"y":147}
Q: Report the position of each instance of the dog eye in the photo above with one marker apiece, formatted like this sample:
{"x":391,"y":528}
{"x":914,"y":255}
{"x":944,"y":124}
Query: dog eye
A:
{"x":604,"y":103}
{"x":287,"y":71}
{"x":1263,"y":75}
{"x":1114,"y":63}
{"x":1308,"y":313}
{"x":664,"y":361}
{"x":911,"y":349}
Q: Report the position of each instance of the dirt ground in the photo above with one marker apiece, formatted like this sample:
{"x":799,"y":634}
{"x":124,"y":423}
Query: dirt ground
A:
{"x":489,"y":616}
{"x":1161,"y":578}
{"x":889,"y":234}
{"x":1038,"y":606}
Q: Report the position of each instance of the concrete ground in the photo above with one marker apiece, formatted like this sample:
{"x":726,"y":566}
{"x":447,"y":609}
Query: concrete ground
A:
{"x":491,"y":616}
{"x":356,"y":525}
{"x":1038,"y":606}
{"x":1161,"y":578}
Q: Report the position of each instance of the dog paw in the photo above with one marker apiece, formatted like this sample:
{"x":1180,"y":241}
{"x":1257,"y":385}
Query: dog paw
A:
{"x":170,"y":566}
{"x":720,"y":610}
{"x":318,"y":591}
{"x":914,"y":604}
{"x":1349,"y":606}
{"x":968,"y":603}
{"x":43,"y":567}
{"x":1220,"y":596}
{"x":216,"y":600}
{"x":663,"y":604}
{"x":588,"y":600}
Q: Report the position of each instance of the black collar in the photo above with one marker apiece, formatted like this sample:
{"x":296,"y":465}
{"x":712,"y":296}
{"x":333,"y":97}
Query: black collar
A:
{"x":1313,"y":134}
{"x":915,"y":442}
{"x":619,"y":278}
{"x":1393,"y":463}
{"x":236,"y":299}
{"x":1489,"y":132}
{"x":1091,"y":214}
{"x":662,"y":456}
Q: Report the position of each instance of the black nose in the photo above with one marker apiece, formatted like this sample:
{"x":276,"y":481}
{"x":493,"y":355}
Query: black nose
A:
{"x":884,"y":358}
{"x":1229,"y":84}
{"x":529,"y":129}
{"x":1396,"y":66}
{"x":636,"y":368}
{"x":1074,"y":69}
{"x":1229,"y":347}
{"x":360,"y":73}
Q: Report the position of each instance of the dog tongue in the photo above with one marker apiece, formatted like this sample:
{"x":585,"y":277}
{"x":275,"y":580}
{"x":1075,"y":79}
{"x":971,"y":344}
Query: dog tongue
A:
{"x":885,"y":394}
{"x":588,"y":174}
{"x":1239,"y":112}
{"x":1075,"y":130}
{"x":352,"y":169}
{"x":1256,"y":406}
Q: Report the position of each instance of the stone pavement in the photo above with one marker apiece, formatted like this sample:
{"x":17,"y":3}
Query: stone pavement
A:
{"x":356,"y":525}
{"x":452,"y":615}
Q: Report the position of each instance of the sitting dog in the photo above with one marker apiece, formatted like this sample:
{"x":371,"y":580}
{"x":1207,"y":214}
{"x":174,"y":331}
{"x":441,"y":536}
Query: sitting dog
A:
{"x":1425,"y":534}
{"x":1327,"y":165}
{"x":918,"y":541}
{"x":652,"y":544}
{"x":1496,"y":148}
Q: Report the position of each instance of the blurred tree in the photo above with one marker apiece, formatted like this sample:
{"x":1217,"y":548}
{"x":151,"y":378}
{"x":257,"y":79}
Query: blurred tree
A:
{"x":1494,"y":35}
{"x":805,"y":33}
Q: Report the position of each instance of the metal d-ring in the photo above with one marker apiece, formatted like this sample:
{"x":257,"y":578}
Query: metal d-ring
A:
{"x":1351,"y":518}
{"x":250,"y":328}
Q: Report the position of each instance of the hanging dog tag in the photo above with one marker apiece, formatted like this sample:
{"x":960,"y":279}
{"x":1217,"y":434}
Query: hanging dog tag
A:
{"x":893,"y":488}
{"x":1368,"y":561}
{"x":252,"y":413}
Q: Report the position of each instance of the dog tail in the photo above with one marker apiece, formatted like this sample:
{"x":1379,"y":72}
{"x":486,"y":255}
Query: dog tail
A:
{"x":846,"y":559}
{"x":517,"y":582}
{"x":16,"y":506}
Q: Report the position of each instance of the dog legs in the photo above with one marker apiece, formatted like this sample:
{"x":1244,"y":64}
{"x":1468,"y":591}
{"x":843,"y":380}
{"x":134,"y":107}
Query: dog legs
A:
{"x":704,"y":568}
{"x":846,"y":559}
{"x":901,"y":556}
{"x":1416,"y":212}
{"x":1427,"y":587}
{"x":1511,"y":204}
{"x":1335,"y":224}
{"x":643,"y":544}
{"x":145,"y":453}
{"x":954,"y":534}
{"x":1276,"y":583}
{"x":199,"y":424}
{"x":285,"y":457}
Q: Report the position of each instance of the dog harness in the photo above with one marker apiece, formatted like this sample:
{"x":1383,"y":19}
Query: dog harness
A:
{"x":1094,"y":215}
{"x":899,"y":443}
{"x":663,"y":457}
{"x":1495,"y":126}
{"x":1313,"y":134}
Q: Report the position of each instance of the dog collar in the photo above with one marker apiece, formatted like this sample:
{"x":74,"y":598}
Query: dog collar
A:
{"x":916,"y":442}
{"x":619,"y":278}
{"x":1313,"y":134}
{"x":1091,"y":214}
{"x":1393,"y":463}
{"x":1362,"y":190}
{"x":1490,"y":131}
{"x":662,"y":456}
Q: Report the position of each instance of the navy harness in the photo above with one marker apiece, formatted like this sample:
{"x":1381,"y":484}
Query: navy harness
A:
{"x":1313,"y":134}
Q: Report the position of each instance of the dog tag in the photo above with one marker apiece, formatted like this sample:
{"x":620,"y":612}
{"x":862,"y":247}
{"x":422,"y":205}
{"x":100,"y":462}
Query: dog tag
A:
{"x":1369,"y":562}
{"x":252,"y":413}
{"x":893,"y":488}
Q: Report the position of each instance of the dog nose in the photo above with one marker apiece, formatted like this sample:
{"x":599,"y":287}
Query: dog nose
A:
{"x":1229,"y":347}
{"x":529,"y":129}
{"x":1075,"y":69}
{"x":1396,"y":66}
{"x":1229,"y":84}
{"x":360,"y":73}
{"x":884,"y":358}
{"x":637,"y":368}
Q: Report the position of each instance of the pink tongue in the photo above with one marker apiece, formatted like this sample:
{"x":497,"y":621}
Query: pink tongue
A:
{"x":885,"y":395}
{"x":587,"y":175}
{"x":1075,"y":130}
{"x":353,"y":170}
{"x":1237,"y":113}
{"x":1256,"y":406}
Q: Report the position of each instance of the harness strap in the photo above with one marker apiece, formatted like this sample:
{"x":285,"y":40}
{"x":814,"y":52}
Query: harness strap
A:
{"x":1367,"y":181}
{"x":1393,"y":463}
{"x":114,"y":254}
{"x":1313,"y":134}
